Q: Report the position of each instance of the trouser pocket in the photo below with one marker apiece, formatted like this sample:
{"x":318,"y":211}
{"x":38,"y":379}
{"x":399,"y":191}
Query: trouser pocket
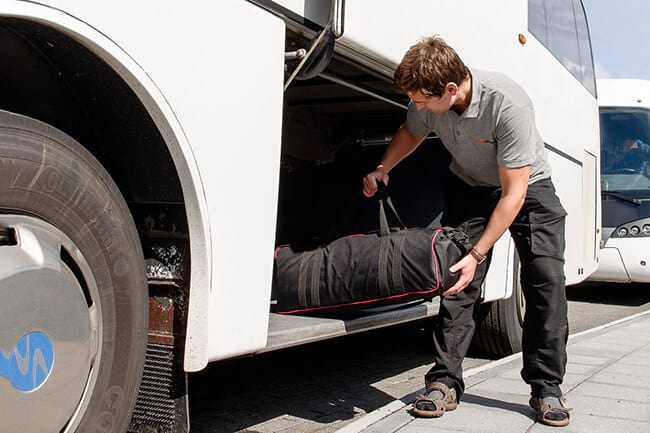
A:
{"x":541,"y":221}
{"x":547,"y":234}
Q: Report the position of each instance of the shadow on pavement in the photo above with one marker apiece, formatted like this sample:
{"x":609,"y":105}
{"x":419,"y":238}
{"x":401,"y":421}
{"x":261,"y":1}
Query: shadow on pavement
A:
{"x":500,"y":404}
{"x":631,"y":294}
{"x":319,"y":383}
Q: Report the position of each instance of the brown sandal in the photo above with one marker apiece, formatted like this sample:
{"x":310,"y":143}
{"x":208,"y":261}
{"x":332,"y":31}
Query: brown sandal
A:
{"x":549,"y":413}
{"x":446,"y":403}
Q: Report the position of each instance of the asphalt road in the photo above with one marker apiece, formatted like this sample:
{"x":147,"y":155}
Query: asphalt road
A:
{"x":320,"y":387}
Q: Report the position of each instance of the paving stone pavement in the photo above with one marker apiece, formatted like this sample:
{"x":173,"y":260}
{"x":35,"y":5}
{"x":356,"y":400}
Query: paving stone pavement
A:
{"x":607,"y":384}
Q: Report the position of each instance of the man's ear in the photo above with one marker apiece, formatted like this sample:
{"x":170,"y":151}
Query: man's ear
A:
{"x":452,"y":88}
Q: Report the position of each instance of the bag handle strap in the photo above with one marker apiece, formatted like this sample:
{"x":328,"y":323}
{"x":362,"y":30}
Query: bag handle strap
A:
{"x":384,"y":200}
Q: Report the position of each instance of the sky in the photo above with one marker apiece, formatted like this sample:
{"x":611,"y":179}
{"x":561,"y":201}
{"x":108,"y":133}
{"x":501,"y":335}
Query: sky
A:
{"x":620,"y":37}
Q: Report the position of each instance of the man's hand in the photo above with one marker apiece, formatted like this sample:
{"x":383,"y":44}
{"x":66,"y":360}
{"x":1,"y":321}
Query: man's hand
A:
{"x":467,"y":267}
{"x":402,"y":144}
{"x":371,"y":179}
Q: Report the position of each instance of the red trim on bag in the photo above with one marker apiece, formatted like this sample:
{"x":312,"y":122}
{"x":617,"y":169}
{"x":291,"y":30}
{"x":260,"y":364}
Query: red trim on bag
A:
{"x":368,"y":301}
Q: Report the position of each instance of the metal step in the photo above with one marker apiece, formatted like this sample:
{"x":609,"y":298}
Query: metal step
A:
{"x":289,"y":330}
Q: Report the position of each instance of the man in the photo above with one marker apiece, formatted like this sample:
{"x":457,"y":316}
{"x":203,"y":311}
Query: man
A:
{"x":500,"y":179}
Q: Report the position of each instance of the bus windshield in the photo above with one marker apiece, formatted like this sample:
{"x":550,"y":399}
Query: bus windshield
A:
{"x":625,"y":149}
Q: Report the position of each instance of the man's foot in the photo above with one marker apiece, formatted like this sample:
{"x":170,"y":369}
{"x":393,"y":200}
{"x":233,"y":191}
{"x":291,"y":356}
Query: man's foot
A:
{"x":551,"y":410}
{"x":438,"y":399}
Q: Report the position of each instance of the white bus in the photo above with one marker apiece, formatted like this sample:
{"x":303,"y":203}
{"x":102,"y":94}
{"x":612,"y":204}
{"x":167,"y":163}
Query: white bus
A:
{"x":152,"y":154}
{"x":625,"y":180}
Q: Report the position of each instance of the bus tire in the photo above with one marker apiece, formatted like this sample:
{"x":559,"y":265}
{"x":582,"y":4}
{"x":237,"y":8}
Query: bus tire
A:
{"x":500,"y":324}
{"x":75,"y":301}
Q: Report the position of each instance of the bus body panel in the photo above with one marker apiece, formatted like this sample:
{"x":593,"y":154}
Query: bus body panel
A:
{"x":387,"y":31}
{"x":227,"y":115}
{"x":611,"y":267}
{"x":498,"y":281}
{"x":67,"y":17}
{"x":317,"y":11}
{"x":619,"y":92}
{"x":624,"y":261}
{"x":571,"y":135}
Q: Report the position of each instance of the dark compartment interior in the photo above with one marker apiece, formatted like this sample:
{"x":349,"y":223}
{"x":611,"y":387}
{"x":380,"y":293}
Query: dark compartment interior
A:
{"x":332,"y":136}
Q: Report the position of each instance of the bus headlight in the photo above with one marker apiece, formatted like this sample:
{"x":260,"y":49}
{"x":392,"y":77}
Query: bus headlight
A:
{"x":639,"y":228}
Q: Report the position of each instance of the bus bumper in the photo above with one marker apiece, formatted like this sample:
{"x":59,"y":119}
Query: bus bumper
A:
{"x":624,"y":260}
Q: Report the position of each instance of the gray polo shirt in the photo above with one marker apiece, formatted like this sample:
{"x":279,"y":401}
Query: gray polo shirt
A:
{"x":497,"y":129}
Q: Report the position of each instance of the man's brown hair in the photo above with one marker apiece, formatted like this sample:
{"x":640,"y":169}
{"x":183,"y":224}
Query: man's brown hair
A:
{"x":428,"y":66}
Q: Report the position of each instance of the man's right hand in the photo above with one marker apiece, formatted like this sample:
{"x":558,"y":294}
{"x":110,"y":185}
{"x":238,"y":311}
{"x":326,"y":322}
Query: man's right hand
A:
{"x":402,"y":144}
{"x":371,"y":179}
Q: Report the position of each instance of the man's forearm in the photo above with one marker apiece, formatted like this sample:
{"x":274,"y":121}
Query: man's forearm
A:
{"x":402,"y":144}
{"x":514,"y":186}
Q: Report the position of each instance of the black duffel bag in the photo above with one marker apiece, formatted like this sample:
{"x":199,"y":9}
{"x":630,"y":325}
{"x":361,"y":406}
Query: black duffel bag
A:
{"x":362,"y":271}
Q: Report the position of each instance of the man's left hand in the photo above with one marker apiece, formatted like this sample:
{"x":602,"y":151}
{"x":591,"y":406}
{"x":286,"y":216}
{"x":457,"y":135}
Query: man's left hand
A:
{"x":467,"y":267}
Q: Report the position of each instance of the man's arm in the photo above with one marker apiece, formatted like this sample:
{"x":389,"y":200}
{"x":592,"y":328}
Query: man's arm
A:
{"x":400,"y":146}
{"x":514,"y":185}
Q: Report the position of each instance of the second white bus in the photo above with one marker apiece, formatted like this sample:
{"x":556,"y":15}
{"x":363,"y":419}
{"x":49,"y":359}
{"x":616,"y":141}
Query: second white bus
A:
{"x":625,"y":179}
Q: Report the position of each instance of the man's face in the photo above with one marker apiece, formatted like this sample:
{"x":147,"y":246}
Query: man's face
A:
{"x":432,"y":104}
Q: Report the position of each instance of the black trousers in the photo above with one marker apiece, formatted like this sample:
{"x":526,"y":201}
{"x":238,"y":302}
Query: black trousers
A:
{"x":538,"y":233}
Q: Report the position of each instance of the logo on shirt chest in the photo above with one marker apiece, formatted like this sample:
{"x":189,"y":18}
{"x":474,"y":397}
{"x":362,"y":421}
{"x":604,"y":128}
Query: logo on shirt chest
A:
{"x":483,"y":141}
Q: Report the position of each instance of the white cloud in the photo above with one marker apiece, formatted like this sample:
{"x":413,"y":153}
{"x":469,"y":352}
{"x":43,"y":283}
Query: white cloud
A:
{"x":602,"y":72}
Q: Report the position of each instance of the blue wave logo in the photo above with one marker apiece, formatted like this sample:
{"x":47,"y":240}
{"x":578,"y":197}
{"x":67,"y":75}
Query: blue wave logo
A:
{"x":29,"y":364}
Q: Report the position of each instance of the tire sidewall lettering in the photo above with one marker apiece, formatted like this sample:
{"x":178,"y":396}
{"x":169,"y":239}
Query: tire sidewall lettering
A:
{"x":103,"y":222}
{"x":120,"y":267}
{"x":7,"y":173}
{"x":104,"y":422}
{"x":51,"y":179}
{"x":114,"y":397}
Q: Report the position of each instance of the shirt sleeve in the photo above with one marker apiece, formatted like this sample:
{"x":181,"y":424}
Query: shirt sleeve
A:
{"x":516,"y":137}
{"x":417,"y":121}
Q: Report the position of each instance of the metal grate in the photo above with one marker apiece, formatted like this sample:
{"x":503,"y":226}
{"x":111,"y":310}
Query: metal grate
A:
{"x":161,"y":403}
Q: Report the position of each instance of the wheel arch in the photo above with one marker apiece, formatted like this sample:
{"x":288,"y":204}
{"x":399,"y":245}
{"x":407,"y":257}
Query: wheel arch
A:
{"x":62,"y":71}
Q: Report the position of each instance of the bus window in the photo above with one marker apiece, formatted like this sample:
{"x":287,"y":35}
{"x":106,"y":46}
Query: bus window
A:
{"x":625,"y":149}
{"x":561,"y":26}
{"x":584,"y":47}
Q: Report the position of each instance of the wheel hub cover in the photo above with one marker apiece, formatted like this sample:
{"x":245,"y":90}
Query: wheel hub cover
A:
{"x":47,"y":337}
